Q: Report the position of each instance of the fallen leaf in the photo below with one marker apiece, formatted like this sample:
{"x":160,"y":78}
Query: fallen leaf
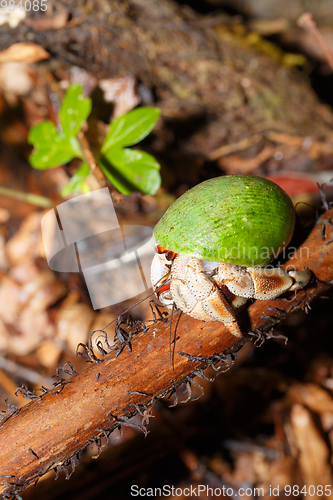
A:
{"x":24,"y":297}
{"x":74,"y":325}
{"x":49,"y":353}
{"x":55,"y":22}
{"x":313,"y":455}
{"x":4,"y":335}
{"x":27,"y":243}
{"x":40,"y":287}
{"x":282,"y":473}
{"x":120,"y":91}
{"x":47,"y":295}
{"x":294,"y":183}
{"x":24,"y":52}
{"x":10,"y":300}
{"x":313,"y":396}
{"x":87,"y":80}
{"x":236,"y":164}
{"x":32,"y":328}
{"x":244,"y":470}
{"x":3,"y":257}
{"x":15,"y":80}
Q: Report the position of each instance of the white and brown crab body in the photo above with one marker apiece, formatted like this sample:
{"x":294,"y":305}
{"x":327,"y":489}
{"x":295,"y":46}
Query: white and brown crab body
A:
{"x":213,"y":291}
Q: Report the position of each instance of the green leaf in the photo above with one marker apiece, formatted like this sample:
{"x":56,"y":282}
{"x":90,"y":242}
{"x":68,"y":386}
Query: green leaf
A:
{"x":52,"y":154}
{"x":43,"y":132}
{"x":131,"y":170}
{"x":77,"y":182}
{"x":131,"y":128}
{"x":51,"y":148}
{"x":74,"y":110}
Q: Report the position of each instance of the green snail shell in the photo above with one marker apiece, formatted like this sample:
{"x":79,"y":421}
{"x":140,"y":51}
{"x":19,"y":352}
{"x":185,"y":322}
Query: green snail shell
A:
{"x":239,"y":219}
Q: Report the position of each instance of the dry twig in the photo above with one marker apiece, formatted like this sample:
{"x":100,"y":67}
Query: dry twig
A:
{"x":307,"y":22}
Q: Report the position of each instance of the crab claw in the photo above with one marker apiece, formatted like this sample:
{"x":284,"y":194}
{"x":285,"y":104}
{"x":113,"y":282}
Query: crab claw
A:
{"x":301,"y":279}
{"x":160,"y":278}
{"x":261,"y":283}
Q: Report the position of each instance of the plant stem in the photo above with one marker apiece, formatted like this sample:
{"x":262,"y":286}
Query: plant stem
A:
{"x":34,"y":199}
{"x":99,"y":178}
{"x":90,"y":159}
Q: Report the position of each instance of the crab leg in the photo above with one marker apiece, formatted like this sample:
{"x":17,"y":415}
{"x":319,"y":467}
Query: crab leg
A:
{"x":260,"y":283}
{"x":197,"y":295}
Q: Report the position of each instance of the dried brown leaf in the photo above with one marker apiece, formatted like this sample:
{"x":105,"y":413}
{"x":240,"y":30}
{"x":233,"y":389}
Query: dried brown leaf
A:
{"x":55,"y":22}
{"x":313,"y":396}
{"x":32,"y":329}
{"x":27,"y":243}
{"x":122,"y":92}
{"x":235,"y":164}
{"x":49,"y":353}
{"x":313,"y":451}
{"x":24,"y":52}
{"x":74,"y":324}
{"x":10,"y":299}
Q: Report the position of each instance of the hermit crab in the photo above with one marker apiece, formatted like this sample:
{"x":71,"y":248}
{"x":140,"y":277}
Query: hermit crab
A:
{"x":214,"y":245}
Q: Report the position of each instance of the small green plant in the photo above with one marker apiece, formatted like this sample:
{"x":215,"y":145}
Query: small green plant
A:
{"x":128,"y":170}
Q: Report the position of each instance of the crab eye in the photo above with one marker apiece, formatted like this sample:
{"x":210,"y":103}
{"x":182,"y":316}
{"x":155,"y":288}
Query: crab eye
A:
{"x":169,"y":255}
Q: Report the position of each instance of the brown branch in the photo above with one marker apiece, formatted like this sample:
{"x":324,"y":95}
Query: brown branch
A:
{"x":50,"y":430}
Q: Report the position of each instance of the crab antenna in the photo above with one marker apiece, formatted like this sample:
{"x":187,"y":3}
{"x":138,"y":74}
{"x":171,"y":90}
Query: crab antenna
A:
{"x":172,"y":347}
{"x":131,"y":307}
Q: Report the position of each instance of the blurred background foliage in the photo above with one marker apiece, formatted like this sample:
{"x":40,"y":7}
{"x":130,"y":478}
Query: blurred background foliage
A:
{"x":241,"y":89}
